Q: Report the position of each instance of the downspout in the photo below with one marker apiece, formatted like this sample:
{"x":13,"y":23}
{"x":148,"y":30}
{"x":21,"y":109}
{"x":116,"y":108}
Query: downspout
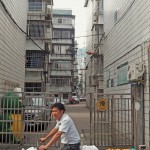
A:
{"x":142,"y":115}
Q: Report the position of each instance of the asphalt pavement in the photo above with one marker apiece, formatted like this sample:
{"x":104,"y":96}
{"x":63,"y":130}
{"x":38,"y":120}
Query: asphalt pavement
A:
{"x":80,"y":114}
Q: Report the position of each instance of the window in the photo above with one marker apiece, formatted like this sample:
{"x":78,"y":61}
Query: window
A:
{"x":56,"y":34}
{"x":116,"y":16}
{"x":66,"y":21}
{"x":57,"y":49}
{"x":66,"y":34}
{"x":33,"y":87}
{"x":61,"y":49}
{"x":35,"y":5}
{"x":36,"y":30}
{"x":65,"y":96}
{"x":34,"y":59}
{"x":59,"y":20}
{"x":61,"y":65}
{"x":60,"y":81}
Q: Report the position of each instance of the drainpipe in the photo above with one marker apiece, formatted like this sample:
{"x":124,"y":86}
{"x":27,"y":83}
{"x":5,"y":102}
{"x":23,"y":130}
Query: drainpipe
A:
{"x":142,"y":115}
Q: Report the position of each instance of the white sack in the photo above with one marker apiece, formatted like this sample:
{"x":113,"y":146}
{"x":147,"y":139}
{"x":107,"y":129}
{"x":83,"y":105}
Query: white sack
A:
{"x":87,"y":147}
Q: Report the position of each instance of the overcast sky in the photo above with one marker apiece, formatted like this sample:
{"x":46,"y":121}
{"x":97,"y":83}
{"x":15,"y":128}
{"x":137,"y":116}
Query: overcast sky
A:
{"x":77,"y":6}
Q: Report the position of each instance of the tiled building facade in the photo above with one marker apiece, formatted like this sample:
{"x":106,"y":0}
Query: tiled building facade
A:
{"x":126,"y":56}
{"x":12,"y":44}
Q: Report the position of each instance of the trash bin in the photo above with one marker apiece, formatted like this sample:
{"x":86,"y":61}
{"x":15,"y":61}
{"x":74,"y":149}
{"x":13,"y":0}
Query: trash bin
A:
{"x":10,"y":118}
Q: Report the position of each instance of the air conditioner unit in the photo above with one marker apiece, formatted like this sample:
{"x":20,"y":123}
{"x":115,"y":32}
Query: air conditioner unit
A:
{"x":135,"y":71}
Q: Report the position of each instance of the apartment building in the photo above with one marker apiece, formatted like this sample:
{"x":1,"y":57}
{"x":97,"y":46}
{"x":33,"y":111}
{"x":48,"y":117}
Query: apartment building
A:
{"x":13,"y":16}
{"x":63,"y":70}
{"x":81,"y":78}
{"x":126,"y":60}
{"x":38,"y":45}
{"x":94,"y":50}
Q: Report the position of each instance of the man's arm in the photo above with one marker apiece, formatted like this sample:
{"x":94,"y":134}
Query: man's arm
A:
{"x":52,"y":132}
{"x":52,"y":141}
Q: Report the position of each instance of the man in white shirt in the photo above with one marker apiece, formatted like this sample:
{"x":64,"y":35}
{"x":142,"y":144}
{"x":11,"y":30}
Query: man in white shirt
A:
{"x":64,"y":128}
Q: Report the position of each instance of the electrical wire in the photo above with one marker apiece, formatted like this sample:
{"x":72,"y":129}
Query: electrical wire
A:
{"x":8,"y":13}
{"x":86,"y":67}
{"x":88,"y":35}
{"x":121,"y":17}
{"x":112,"y":29}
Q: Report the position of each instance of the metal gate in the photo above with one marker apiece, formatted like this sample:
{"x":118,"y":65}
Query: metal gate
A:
{"x":24,"y":120}
{"x":112,"y":128}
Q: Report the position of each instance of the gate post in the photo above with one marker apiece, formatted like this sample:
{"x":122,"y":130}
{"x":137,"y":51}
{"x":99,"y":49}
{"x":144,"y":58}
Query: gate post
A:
{"x":91,"y":118}
{"x":138,"y":104}
{"x":112,"y":121}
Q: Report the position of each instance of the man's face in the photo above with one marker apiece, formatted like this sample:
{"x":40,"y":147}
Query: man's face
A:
{"x":57,"y":113}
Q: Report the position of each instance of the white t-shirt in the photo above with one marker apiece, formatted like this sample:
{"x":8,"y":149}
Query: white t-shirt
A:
{"x":70,"y":134}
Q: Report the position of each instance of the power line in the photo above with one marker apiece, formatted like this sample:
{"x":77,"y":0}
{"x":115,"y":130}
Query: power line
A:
{"x":8,"y":13}
{"x":88,"y":35}
{"x":95,"y":50}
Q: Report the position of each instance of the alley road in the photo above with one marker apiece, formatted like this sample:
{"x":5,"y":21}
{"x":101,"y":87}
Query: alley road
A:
{"x":80,"y":115}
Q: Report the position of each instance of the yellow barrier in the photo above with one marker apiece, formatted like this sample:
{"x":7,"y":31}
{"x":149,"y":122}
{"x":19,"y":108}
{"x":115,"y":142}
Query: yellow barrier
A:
{"x":17,"y":125}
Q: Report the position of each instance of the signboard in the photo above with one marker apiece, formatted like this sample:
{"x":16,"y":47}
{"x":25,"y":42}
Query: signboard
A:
{"x":102,"y":104}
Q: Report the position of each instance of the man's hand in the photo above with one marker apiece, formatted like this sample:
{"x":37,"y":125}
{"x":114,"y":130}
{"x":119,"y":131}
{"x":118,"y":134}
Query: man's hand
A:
{"x":42,"y":147}
{"x":42,"y":139}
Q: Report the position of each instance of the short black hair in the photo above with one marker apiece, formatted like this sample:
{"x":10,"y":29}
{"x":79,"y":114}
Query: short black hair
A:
{"x":60,"y":106}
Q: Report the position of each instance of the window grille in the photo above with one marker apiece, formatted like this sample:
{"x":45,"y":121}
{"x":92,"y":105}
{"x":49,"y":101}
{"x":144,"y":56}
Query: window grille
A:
{"x":65,"y":96}
{"x":33,"y":87}
{"x":35,"y":5}
{"x":34,"y":59}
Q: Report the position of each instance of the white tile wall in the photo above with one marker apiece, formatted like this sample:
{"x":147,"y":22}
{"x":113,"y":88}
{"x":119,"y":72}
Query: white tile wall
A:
{"x":121,"y":39}
{"x":12,"y":44}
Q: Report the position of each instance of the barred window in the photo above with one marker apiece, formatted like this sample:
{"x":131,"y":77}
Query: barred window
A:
{"x":33,"y":87}
{"x":34,"y":59}
{"x":65,"y":96}
{"x":35,"y":5}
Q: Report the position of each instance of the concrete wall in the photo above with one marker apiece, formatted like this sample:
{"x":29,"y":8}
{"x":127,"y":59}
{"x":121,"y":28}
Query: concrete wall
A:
{"x":127,"y":40}
{"x":89,"y":48}
{"x":12,"y":44}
